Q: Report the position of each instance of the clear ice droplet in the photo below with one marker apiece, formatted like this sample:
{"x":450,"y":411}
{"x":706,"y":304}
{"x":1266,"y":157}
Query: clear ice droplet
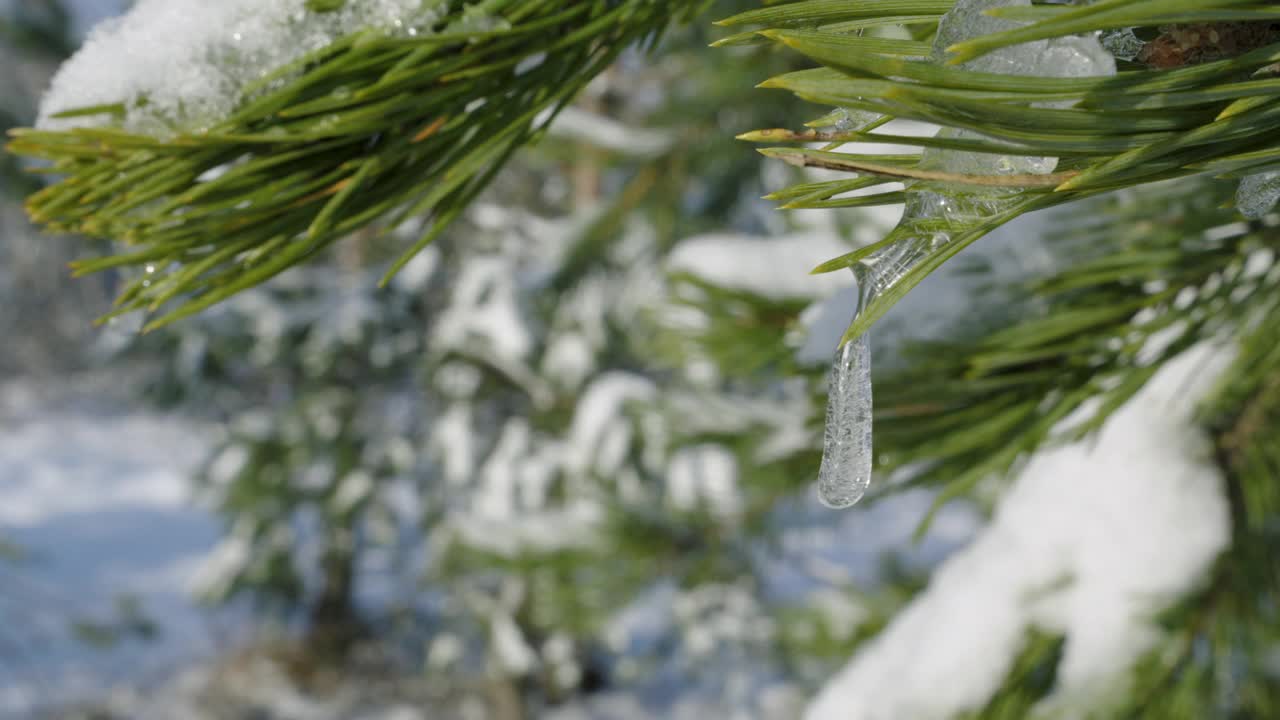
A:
{"x":1258,"y":193}
{"x":845,"y":473}
{"x":851,"y":120}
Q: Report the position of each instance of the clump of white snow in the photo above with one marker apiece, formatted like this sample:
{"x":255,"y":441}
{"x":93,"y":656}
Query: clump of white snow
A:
{"x":183,"y":64}
{"x":705,"y":474}
{"x":775,"y":267}
{"x":486,"y":312}
{"x":1090,"y":542}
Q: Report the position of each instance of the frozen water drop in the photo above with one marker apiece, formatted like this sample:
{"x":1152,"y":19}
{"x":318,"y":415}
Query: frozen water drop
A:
{"x":1258,"y":193}
{"x":845,"y":472}
{"x":845,"y":120}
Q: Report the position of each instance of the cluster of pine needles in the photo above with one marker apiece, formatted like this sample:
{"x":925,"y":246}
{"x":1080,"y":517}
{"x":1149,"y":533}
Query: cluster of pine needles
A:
{"x":1204,"y":98}
{"x":306,"y":160}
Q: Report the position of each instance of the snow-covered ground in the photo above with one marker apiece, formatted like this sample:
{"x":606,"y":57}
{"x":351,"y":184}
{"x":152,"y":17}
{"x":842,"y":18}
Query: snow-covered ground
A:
{"x":98,"y":500}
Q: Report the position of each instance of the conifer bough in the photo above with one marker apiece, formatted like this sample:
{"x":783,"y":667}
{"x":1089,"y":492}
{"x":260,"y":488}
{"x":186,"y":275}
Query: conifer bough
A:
{"x":383,"y":128}
{"x":1203,"y":98}
{"x":373,"y":127}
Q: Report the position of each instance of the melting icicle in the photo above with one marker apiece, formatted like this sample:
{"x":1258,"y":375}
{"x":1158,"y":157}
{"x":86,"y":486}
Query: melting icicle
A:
{"x":1258,"y":193}
{"x":845,"y":473}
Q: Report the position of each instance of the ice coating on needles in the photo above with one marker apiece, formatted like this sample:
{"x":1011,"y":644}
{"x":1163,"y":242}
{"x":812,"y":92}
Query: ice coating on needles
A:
{"x":845,"y":472}
{"x":1072,"y":56}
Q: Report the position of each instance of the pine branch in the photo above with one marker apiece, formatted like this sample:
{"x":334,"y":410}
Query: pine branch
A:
{"x":370,"y":129}
{"x":1163,"y":269}
{"x":1216,"y":659}
{"x":1212,"y":109}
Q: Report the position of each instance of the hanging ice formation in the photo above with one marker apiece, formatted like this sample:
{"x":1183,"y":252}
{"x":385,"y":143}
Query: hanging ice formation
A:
{"x":845,"y":473}
{"x":930,"y":211}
